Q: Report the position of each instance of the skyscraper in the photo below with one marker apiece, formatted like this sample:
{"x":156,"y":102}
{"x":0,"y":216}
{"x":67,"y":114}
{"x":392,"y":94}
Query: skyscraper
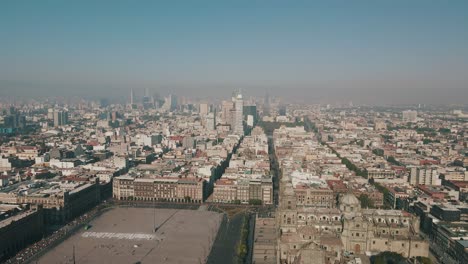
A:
{"x":173,"y":102}
{"x":204,"y":109}
{"x":238,"y":117}
{"x":147,"y":100}
{"x":227,"y":107}
{"x":210,"y":123}
{"x":60,"y":118}
{"x":266,"y":105}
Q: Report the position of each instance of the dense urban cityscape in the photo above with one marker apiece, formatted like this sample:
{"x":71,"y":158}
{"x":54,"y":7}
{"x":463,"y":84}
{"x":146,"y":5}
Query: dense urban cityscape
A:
{"x":307,"y":183}
{"x":233,"y":132}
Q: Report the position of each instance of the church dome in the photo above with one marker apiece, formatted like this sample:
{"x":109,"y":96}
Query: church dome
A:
{"x":349,"y":199}
{"x":349,"y":203}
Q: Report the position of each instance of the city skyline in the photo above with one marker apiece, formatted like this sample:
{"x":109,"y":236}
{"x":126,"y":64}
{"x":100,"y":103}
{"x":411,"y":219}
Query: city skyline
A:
{"x":267,"y":132}
{"x":363,"y":51}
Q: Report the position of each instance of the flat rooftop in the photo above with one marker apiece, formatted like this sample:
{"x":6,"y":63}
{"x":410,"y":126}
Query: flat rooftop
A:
{"x":126,"y":235}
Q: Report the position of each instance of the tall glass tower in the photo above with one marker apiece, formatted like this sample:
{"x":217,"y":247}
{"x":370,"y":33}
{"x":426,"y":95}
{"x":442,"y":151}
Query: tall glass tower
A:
{"x":238,"y":126}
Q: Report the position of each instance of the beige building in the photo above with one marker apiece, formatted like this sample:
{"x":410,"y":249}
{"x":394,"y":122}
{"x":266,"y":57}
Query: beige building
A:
{"x":243,"y":190}
{"x":375,"y":230}
{"x":315,"y":197}
{"x":224,"y":191}
{"x":375,"y":173}
{"x":159,"y":188}
{"x":322,"y":235}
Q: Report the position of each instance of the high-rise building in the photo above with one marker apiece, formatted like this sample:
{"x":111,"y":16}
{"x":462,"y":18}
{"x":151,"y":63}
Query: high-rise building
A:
{"x":251,"y":110}
{"x":147,"y":102}
{"x":424,"y":176}
{"x":227,"y":107}
{"x":237,"y":125}
{"x":266,"y":105}
{"x":210,"y":123}
{"x":132,"y":95}
{"x":173,"y":102}
{"x":204,"y":109}
{"x":14,"y":119}
{"x":60,"y":118}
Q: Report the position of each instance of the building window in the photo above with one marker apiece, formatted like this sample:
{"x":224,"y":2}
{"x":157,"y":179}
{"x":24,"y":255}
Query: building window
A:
{"x":416,"y":245}
{"x":373,"y":242}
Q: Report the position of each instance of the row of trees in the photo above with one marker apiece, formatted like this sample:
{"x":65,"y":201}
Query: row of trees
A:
{"x":392,"y":160}
{"x":251,"y":202}
{"x":356,"y":169}
{"x":242,"y":249}
{"x":383,"y":190}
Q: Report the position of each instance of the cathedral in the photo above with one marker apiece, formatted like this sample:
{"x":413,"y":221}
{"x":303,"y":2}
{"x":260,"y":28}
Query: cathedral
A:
{"x":308,"y":234}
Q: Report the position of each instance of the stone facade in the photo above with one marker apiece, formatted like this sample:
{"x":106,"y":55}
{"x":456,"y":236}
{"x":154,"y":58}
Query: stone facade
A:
{"x":319,"y":234}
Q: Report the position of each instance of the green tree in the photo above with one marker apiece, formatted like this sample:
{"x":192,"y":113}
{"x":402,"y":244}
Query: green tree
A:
{"x":392,"y":160}
{"x":445,"y":130}
{"x":388,"y":257}
{"x":424,"y":260}
{"x":366,"y":202}
{"x":255,"y":202}
{"x":378,"y":152}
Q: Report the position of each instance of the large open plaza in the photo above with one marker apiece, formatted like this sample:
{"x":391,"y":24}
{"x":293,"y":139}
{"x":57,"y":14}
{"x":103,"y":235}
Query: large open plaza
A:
{"x":140,"y":235}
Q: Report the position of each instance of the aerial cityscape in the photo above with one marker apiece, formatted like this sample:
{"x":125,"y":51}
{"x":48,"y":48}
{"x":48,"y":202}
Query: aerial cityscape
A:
{"x":249,"y":132}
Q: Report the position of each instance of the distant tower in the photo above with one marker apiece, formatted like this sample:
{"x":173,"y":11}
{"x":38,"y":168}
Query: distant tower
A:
{"x":131,"y":96}
{"x":238,"y":126}
{"x":60,"y":118}
{"x":172,"y":102}
{"x":266,"y":106}
{"x":147,"y":100}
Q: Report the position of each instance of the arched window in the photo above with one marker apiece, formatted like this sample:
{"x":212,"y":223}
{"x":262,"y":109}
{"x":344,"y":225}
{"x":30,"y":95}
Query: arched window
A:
{"x":289,"y":221}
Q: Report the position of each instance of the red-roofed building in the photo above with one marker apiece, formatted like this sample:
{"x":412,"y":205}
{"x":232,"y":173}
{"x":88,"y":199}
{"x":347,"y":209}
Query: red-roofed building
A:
{"x":432,"y":192}
{"x":337,"y":186}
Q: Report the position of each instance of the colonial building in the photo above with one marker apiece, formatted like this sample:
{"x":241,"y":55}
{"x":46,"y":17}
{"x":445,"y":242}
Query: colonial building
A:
{"x":19,"y":228}
{"x":324,"y":234}
{"x":243,"y":190}
{"x":375,"y":230}
{"x":159,"y":188}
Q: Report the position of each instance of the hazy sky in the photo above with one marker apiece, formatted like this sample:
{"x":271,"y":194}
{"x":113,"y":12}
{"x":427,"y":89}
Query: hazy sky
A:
{"x":365,"y":51}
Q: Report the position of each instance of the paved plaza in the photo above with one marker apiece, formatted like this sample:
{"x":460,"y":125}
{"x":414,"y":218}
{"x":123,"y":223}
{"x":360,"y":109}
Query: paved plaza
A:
{"x":127,"y":235}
